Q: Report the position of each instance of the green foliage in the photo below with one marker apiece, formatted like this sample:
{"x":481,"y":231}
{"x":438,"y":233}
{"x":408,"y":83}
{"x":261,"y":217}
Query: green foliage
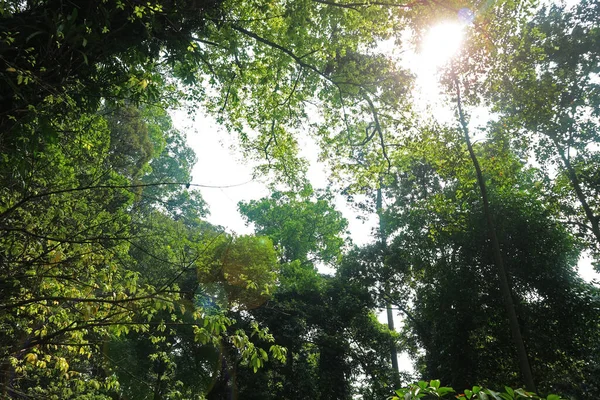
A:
{"x":114,"y":286}
{"x":433,"y":390}
{"x":55,"y":53}
{"x":305,"y":226}
{"x":95,"y":259}
{"x":257,"y":66}
{"x":326,"y":323}
{"x":441,"y":254}
{"x":130,"y":144}
{"x":543,"y":85}
{"x":243,"y":273}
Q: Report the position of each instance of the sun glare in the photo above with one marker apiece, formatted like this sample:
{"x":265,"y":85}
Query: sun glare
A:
{"x":438,"y":46}
{"x":441,"y":43}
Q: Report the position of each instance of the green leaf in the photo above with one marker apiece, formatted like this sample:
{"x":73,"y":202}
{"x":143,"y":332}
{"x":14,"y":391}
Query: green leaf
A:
{"x":73,"y":15}
{"x":493,"y":393}
{"x":442,"y":391}
{"x":521,"y":392}
{"x":482,"y":395}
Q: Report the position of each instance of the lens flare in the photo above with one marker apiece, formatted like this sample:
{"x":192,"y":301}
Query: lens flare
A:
{"x":441,"y":43}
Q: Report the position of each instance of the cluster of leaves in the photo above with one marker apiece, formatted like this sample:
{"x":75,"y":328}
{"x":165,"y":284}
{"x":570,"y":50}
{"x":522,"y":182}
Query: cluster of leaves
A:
{"x":102,"y":246}
{"x":439,"y":272}
{"x":433,"y":390}
{"x":109,"y":273}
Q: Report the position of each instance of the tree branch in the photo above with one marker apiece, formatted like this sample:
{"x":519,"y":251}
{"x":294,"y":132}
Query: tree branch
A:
{"x":279,"y":47}
{"x":378,"y":130}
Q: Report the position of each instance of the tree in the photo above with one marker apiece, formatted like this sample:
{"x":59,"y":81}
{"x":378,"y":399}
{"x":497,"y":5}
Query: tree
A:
{"x":264,"y":69}
{"x":333,"y":339}
{"x":72,"y":62}
{"x":67,"y":281}
{"x":486,"y":74}
{"x":441,"y":251}
{"x":102,"y":240}
{"x":305,"y":226}
{"x":505,"y":286}
{"x":91,"y":254}
{"x":55,"y":54}
{"x":551,"y":102}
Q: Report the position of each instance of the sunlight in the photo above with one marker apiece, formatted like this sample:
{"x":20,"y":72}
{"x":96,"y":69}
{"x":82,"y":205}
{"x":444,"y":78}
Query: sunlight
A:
{"x":441,"y":43}
{"x":437,"y":47}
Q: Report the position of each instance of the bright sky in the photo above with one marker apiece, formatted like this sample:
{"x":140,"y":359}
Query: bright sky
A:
{"x":219,"y":165}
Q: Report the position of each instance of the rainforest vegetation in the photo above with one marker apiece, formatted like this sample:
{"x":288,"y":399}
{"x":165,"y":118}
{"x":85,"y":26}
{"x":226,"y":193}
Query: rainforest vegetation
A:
{"x":113,"y":284}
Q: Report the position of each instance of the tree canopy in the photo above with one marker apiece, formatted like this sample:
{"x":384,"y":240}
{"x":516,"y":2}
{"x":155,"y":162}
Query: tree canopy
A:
{"x":114,"y":285}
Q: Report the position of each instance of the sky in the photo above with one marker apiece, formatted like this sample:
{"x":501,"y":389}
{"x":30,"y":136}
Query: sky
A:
{"x":220,"y":165}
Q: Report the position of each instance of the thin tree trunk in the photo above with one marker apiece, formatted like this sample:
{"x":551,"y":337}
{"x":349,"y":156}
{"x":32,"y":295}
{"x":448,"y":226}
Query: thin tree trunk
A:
{"x":158,"y":383}
{"x":393,"y":350}
{"x":498,"y":259}
{"x":577,"y":187}
{"x":388,"y":305}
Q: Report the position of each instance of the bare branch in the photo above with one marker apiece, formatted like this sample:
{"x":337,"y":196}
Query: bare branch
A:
{"x":377,"y":128}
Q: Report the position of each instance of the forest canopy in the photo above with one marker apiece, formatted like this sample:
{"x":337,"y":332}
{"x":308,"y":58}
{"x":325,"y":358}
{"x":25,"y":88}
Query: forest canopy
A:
{"x":114,"y":285}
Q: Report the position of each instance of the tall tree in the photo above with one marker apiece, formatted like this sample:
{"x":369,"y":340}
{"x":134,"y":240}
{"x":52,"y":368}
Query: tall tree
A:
{"x":505,"y":286}
{"x":455,"y":312}
{"x":326,"y":322}
{"x":89,"y":257}
{"x":547,"y":91}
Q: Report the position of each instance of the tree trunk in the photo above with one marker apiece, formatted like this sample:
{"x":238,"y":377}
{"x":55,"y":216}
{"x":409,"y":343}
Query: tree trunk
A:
{"x":577,"y":187}
{"x":388,"y":305}
{"x":498,"y":259}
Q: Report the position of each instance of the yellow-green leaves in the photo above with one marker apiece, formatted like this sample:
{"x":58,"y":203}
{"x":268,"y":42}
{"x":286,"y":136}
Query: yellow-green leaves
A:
{"x":61,"y":364}
{"x":245,"y":270}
